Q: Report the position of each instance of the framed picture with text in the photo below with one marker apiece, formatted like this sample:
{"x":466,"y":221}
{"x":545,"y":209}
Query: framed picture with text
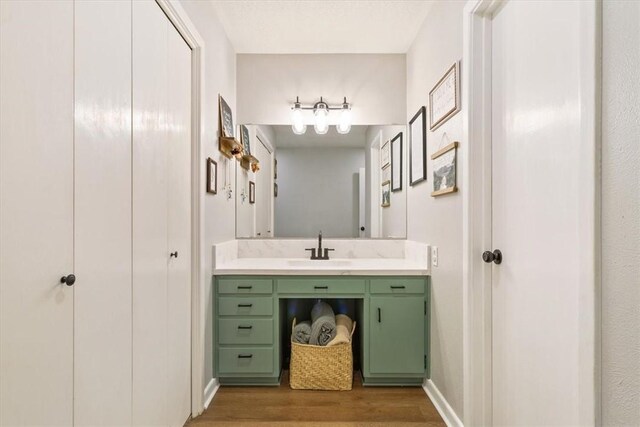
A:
{"x":444,"y":98}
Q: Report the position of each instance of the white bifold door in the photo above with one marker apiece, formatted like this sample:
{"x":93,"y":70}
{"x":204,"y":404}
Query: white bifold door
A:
{"x":161,"y":219}
{"x":95,"y":181}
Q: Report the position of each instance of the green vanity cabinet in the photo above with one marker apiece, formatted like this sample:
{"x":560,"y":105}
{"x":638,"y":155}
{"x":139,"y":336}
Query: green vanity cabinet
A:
{"x":392,"y":319}
{"x":247,"y":336}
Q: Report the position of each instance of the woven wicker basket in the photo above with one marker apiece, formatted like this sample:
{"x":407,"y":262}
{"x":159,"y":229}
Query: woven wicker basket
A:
{"x":315,"y":367}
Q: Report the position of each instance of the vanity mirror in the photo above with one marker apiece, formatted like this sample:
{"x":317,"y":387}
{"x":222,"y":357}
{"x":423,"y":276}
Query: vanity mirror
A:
{"x":331,"y":183}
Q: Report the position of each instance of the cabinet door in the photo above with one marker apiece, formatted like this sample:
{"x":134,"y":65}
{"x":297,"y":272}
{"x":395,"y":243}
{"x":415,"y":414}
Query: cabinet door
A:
{"x":179,"y":231}
{"x":150,"y":250}
{"x":102,"y":320}
{"x":396,"y":335}
{"x":36,"y":213}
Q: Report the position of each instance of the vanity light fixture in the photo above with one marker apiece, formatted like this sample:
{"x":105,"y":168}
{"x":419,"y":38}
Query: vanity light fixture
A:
{"x":297,"y":119}
{"x":321,"y":117}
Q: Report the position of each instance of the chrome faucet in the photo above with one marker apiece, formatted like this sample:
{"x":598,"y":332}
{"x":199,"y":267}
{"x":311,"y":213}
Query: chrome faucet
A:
{"x":319,"y":254}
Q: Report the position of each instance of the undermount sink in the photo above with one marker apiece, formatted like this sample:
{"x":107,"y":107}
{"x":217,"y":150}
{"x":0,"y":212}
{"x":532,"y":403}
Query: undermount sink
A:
{"x":318,"y":263}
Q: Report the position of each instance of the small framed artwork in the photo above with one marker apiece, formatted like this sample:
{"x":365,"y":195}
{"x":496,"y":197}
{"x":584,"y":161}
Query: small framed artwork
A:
{"x":418,"y":147}
{"x":384,"y":155}
{"x":252,"y":192}
{"x":212,"y":176}
{"x":444,"y":170}
{"x":444,"y":98}
{"x":386,"y":194}
{"x":275,"y":168}
{"x":385,"y":174}
{"x":225,"y":119}
{"x":396,"y":163}
{"x":275,"y":190}
{"x":246,"y":143}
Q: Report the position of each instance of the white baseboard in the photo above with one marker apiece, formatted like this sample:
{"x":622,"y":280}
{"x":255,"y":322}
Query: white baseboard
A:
{"x":209,"y":391}
{"x":444,"y":409}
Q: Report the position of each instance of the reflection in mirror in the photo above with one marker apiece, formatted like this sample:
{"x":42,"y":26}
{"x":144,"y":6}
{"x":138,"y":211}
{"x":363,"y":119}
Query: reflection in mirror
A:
{"x":338,"y":184}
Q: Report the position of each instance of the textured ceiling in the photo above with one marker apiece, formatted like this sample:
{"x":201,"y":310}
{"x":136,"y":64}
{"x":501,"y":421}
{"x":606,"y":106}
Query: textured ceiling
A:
{"x":285,"y":138}
{"x":321,"y":26}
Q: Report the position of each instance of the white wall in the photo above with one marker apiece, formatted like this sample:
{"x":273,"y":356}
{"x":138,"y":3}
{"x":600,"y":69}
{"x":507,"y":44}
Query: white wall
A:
{"x":621,"y":214}
{"x":394,"y":217}
{"x":269,"y":84}
{"x":318,"y":190}
{"x":438,"y":221}
{"x":219,"y":213}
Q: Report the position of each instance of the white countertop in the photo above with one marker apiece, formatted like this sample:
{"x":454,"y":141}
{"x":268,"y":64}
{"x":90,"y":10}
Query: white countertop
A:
{"x":332,"y":267}
{"x":412,"y":260}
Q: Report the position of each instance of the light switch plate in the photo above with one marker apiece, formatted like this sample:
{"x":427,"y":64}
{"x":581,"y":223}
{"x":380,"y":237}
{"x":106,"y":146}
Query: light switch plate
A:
{"x":434,"y":256}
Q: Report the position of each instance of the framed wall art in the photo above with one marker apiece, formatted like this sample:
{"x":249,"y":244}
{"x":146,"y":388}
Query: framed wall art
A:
{"x":246,"y":142}
{"x":212,"y":176}
{"x":384,"y":155}
{"x":386,"y":194}
{"x":418,"y":147}
{"x":444,"y":98}
{"x":396,"y":163}
{"x":226,"y":119}
{"x":252,"y":192}
{"x":444,"y":170}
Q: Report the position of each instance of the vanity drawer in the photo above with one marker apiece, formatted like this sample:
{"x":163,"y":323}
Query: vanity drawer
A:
{"x":245,"y":286}
{"x":321,"y":286}
{"x":390,"y":285}
{"x":245,"y":331}
{"x":247,"y":360}
{"x":245,"y":306}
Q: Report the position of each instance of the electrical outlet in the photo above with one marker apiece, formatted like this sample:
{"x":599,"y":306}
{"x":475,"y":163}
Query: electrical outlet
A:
{"x":434,"y":256}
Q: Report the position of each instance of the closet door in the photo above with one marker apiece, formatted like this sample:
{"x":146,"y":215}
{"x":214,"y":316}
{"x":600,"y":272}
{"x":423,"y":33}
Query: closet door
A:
{"x":179,"y":232}
{"x":150,"y":180}
{"x":102,"y":320}
{"x":36,"y":212}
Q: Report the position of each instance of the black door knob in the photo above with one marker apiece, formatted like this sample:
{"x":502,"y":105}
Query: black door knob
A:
{"x":361,"y":228}
{"x":495,"y":256}
{"x":68,"y":280}
{"x":173,"y":254}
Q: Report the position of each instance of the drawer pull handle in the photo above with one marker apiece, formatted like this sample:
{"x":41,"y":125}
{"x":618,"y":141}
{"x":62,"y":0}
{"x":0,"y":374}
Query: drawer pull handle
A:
{"x":245,"y":327}
{"x":379,"y":315}
{"x":245,"y":356}
{"x":245,"y":305}
{"x":245,"y":287}
{"x":320,"y":287}
{"x":398,"y":287}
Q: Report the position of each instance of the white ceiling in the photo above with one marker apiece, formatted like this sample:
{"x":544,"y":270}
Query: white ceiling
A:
{"x":285,"y":138}
{"x":321,"y":26}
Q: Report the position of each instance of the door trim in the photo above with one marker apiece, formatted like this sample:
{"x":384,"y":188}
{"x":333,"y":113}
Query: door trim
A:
{"x":476,"y":212}
{"x":181,"y":21}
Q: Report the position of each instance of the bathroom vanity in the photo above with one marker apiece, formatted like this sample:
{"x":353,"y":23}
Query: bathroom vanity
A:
{"x":390,"y":294}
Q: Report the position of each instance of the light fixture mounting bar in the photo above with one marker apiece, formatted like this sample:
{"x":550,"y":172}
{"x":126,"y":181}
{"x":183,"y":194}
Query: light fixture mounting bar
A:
{"x":342,"y":106}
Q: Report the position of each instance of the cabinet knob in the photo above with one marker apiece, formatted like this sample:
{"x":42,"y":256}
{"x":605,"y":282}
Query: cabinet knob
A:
{"x":173,"y":254}
{"x":495,"y":256}
{"x":68,"y":280}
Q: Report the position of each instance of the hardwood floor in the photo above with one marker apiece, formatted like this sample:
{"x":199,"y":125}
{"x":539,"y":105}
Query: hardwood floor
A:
{"x":281,"y":406}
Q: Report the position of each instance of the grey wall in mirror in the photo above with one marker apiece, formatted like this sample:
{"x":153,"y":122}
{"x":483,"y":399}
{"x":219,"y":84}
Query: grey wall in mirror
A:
{"x":332,"y":183}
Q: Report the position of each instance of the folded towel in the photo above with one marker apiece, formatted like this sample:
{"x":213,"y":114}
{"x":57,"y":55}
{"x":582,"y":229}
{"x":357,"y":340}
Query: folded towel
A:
{"x":323,"y":324}
{"x":344,"y":326}
{"x":302,"y":332}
